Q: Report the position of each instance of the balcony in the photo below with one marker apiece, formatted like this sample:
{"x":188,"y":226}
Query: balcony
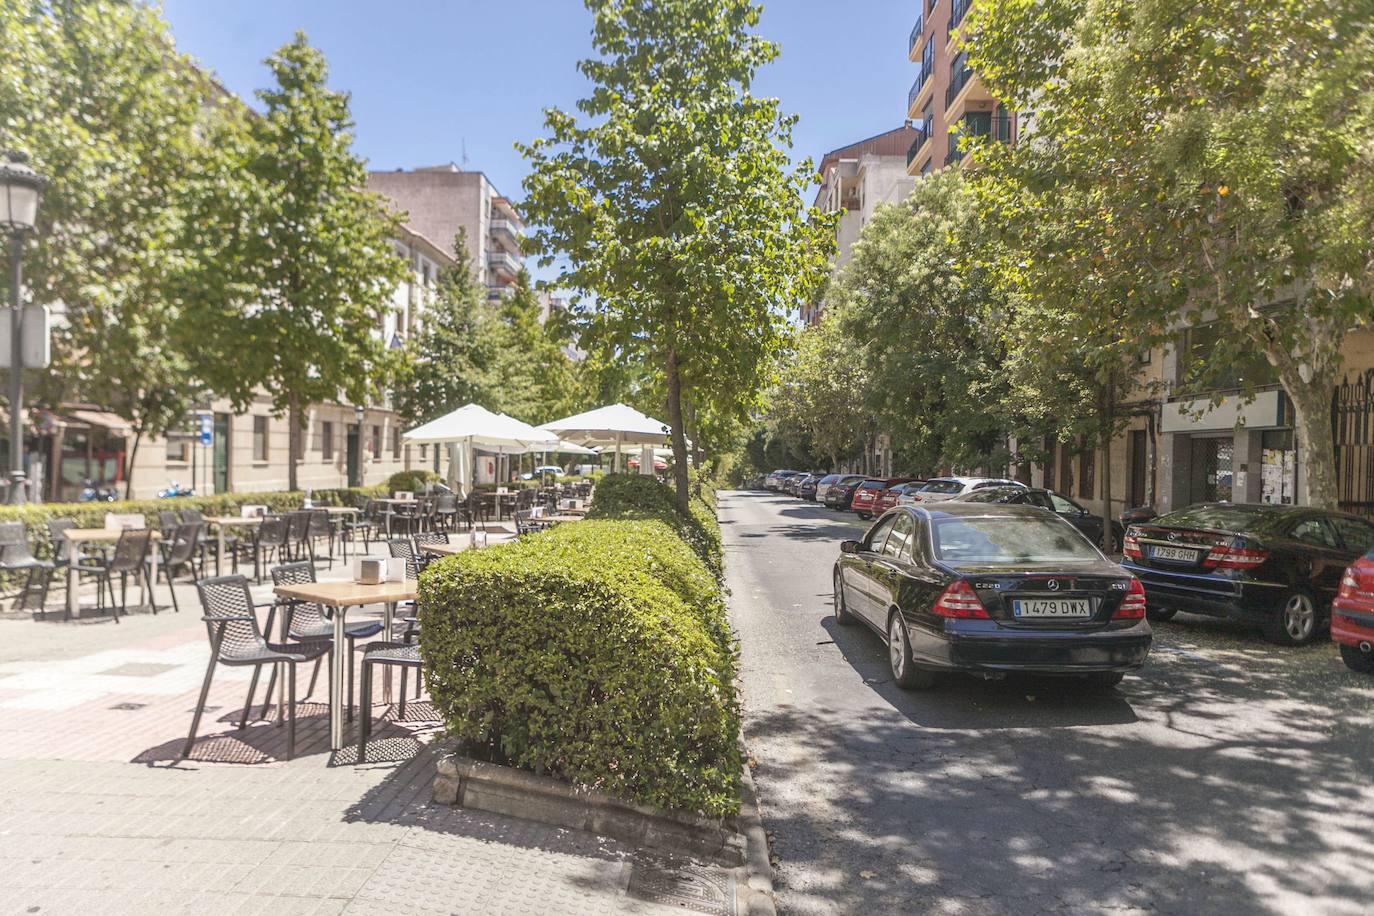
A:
{"x":913,"y":46}
{"x":956,"y":13}
{"x":960,"y":73}
{"x":914,"y":151}
{"x":503,"y":264}
{"x":505,"y":231}
{"x":1000,"y":127}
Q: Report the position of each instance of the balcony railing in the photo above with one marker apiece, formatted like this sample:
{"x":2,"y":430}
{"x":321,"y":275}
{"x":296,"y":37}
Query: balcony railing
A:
{"x":959,"y":75}
{"x":921,"y":76}
{"x":916,"y":31}
{"x":503,"y":262}
{"x":922,"y":135}
{"x":957,"y":11}
{"x":999,"y":126}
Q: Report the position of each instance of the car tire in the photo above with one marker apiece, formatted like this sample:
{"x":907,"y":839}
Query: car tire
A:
{"x":1104,"y":680}
{"x":863,"y":516}
{"x":1160,"y":614}
{"x":1355,"y":660}
{"x":1296,"y":622}
{"x":842,"y":615}
{"x":904,"y":671}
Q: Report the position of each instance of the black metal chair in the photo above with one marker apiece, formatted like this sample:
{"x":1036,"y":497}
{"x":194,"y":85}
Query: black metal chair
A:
{"x":365,"y":524}
{"x":167,"y":522}
{"x":405,"y":655}
{"x":320,"y":527}
{"x":180,"y":547}
{"x":271,"y":536}
{"x":526,"y":523}
{"x":16,"y":557}
{"x":130,"y":558}
{"x":306,"y":623}
{"x":236,"y":641}
{"x":298,"y":534}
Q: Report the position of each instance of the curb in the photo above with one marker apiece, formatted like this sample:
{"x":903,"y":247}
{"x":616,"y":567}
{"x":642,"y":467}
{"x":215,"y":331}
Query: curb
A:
{"x":469,"y":783}
{"x":762,"y":901}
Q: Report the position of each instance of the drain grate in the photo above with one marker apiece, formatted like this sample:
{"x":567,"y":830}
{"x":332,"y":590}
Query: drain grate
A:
{"x":192,"y":710}
{"x":698,"y":888}
{"x":128,"y":707}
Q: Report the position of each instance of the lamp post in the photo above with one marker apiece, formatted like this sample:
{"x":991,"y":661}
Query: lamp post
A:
{"x":21,"y":188}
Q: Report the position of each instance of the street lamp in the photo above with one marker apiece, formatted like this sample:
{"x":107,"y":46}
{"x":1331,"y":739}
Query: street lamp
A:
{"x":21,"y":188}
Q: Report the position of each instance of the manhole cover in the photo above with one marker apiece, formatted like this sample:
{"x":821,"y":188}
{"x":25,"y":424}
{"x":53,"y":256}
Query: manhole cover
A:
{"x":698,"y":888}
{"x":140,"y":669}
{"x":128,"y":707}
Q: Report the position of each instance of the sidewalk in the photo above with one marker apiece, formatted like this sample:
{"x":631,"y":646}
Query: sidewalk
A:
{"x":98,"y":815}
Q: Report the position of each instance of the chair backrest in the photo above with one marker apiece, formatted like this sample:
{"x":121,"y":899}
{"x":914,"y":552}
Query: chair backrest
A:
{"x":229,"y":617}
{"x":132,"y":550}
{"x":14,"y":544}
{"x":272,"y":532}
{"x":446,"y":504}
{"x":298,"y":525}
{"x":319,"y":524}
{"x":192,"y":515}
{"x":304,"y":616}
{"x":431,"y":537}
{"x":167,"y":520}
{"x":185,"y":540}
{"x":57,"y":538}
{"x":401,"y":547}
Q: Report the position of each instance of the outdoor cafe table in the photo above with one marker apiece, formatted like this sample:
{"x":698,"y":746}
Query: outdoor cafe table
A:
{"x":440,"y":549}
{"x":558,"y":519}
{"x":339,"y":597}
{"x":78,"y":536}
{"x":222,"y":522}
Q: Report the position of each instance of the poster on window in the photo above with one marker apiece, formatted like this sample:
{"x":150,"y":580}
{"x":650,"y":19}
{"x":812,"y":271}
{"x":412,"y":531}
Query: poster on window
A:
{"x":1279,"y":476}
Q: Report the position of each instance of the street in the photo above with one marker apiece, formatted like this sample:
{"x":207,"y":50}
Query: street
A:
{"x":1227,"y":776}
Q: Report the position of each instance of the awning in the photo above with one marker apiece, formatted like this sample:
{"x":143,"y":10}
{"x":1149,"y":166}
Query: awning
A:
{"x":112,"y":422}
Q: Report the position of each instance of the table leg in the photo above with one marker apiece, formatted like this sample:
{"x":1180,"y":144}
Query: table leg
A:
{"x":285,"y":630}
{"x":219,"y":553}
{"x":151,"y":582}
{"x":73,"y":582}
{"x":336,"y":683}
{"x":389,"y":619}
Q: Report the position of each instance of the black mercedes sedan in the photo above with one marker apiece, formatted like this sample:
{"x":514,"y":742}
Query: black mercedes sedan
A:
{"x":1062,"y":506}
{"x":1274,"y":566}
{"x":991,"y":589}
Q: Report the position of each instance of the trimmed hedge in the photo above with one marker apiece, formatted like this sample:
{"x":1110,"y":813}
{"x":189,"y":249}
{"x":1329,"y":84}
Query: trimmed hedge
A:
{"x":598,"y":652}
{"x":639,"y":496}
{"x":409,"y":481}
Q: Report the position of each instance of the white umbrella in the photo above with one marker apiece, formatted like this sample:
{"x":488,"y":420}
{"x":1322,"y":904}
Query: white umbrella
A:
{"x":613,"y":426}
{"x":473,"y":426}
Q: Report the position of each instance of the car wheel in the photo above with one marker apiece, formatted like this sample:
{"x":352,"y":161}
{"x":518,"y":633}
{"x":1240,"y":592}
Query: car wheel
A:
{"x":842,"y":615}
{"x":1104,"y":680}
{"x":1295,"y":624}
{"x":904,"y":670}
{"x":1355,"y":660}
{"x":863,"y":516}
{"x":1160,"y":614}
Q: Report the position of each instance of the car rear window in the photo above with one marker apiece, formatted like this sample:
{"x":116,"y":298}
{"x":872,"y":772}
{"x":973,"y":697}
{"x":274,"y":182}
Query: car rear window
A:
{"x":942,"y":486}
{"x":872,"y":485}
{"x":1008,"y":541}
{"x":1224,"y":518}
{"x":829,"y":478}
{"x":991,"y":495}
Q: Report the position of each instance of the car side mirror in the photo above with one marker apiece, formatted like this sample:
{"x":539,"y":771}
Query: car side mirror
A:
{"x":849,"y":546}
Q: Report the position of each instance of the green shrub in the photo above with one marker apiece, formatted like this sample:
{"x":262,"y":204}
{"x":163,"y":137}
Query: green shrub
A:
{"x":598,"y":652}
{"x":639,"y":496}
{"x":410,"y":481}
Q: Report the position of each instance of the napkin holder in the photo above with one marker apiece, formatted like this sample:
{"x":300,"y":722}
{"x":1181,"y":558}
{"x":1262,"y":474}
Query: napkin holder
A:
{"x":369,"y":570}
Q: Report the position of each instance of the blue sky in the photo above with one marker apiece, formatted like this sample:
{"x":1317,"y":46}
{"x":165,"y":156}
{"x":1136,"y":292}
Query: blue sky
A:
{"x":430,"y":78}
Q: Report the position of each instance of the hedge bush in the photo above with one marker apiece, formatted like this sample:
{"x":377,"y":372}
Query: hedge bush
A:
{"x":409,"y":481}
{"x":597,"y":652}
{"x":639,"y":496}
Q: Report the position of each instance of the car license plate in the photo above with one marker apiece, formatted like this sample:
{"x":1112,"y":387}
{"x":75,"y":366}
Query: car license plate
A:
{"x":1063,"y":608}
{"x":1174,"y":553}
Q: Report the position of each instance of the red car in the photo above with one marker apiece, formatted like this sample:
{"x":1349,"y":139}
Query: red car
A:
{"x":888,"y":498}
{"x":1352,"y":615}
{"x":867,"y":495}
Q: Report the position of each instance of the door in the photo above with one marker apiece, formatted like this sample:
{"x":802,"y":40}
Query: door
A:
{"x":858,"y":576}
{"x":1211,"y":469}
{"x":220,"y":456}
{"x":1322,"y":557}
{"x":885,"y":572}
{"x":354,"y":447}
{"x":1138,"y":446}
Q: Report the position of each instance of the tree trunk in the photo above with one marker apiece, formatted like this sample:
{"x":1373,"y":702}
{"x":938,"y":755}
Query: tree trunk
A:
{"x":1108,"y":416}
{"x":293,"y":425}
{"x":1316,"y":441}
{"x":678,"y":436}
{"x":129,"y":465}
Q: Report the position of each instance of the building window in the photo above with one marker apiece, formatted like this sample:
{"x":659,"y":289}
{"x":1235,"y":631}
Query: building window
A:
{"x":376,"y":442}
{"x":424,"y":452}
{"x":1194,"y":359}
{"x":327,"y":440}
{"x":259,"y":438}
{"x":178,"y":448}
{"x":395,"y":443}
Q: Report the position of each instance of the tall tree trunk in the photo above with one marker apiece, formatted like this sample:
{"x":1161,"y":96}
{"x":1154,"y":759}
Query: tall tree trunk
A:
{"x":679,"y":437}
{"x":1107,"y":429}
{"x":293,"y":425}
{"x":129,"y":465}
{"x":1316,"y":440}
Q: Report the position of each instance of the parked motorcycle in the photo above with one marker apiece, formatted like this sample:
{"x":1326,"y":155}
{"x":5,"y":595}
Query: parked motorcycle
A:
{"x":175,"y":490}
{"x":94,"y":494}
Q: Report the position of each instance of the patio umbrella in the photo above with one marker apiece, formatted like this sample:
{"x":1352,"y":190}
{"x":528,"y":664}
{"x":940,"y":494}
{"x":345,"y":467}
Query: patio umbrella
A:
{"x":613,"y":426}
{"x":473,"y":426}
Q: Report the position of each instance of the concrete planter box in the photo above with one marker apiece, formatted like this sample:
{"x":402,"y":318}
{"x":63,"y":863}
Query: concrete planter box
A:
{"x":504,"y":790}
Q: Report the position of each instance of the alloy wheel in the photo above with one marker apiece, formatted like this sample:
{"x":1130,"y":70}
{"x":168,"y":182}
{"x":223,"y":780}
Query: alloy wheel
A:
{"x":1299,"y":617}
{"x":896,"y":647}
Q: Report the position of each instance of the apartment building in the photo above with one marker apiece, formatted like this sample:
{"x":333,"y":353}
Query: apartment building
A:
{"x":441,"y":200}
{"x":855,"y":179}
{"x":947,"y":100}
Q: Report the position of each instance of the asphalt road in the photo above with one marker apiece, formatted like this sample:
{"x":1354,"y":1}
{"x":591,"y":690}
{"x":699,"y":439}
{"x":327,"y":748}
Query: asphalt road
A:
{"x":1227,"y":776}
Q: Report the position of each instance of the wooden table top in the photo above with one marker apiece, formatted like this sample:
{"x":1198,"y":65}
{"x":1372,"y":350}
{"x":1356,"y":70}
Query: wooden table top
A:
{"x":558,"y":518}
{"x":440,"y":549}
{"x":342,"y":510}
{"x":349,"y":593}
{"x":102,"y":534}
{"x":228,"y":520}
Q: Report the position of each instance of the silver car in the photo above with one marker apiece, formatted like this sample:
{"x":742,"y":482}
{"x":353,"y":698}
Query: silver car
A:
{"x":939,"y":489}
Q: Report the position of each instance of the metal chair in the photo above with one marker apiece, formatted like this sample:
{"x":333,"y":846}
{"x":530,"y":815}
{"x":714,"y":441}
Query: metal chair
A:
{"x":306,"y":623}
{"x":365,"y":524}
{"x":320,"y":527}
{"x":271,"y":536}
{"x":236,"y":641}
{"x":405,"y":655}
{"x":179,"y":550}
{"x":130,"y":558}
{"x":298,"y":534}
{"x":526,"y":523}
{"x":446,"y":512}
{"x":15,"y":556}
{"x":167,"y":522}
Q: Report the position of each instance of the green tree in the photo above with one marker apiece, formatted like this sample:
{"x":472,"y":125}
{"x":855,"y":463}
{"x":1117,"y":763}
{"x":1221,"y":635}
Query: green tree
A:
{"x":538,"y":381}
{"x":674,"y":204}
{"x":308,"y":262}
{"x":1210,"y":160}
{"x":451,"y":360}
{"x":95,"y":93}
{"x":820,"y":395}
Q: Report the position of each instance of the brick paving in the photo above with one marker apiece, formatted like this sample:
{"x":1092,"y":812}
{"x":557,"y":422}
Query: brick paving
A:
{"x":98,"y":814}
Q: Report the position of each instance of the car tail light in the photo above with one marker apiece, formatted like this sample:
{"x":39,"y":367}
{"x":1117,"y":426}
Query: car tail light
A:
{"x":1234,"y":554}
{"x":959,"y":600}
{"x":1349,"y":587}
{"x":1130,"y":546}
{"x":1133,"y":605}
